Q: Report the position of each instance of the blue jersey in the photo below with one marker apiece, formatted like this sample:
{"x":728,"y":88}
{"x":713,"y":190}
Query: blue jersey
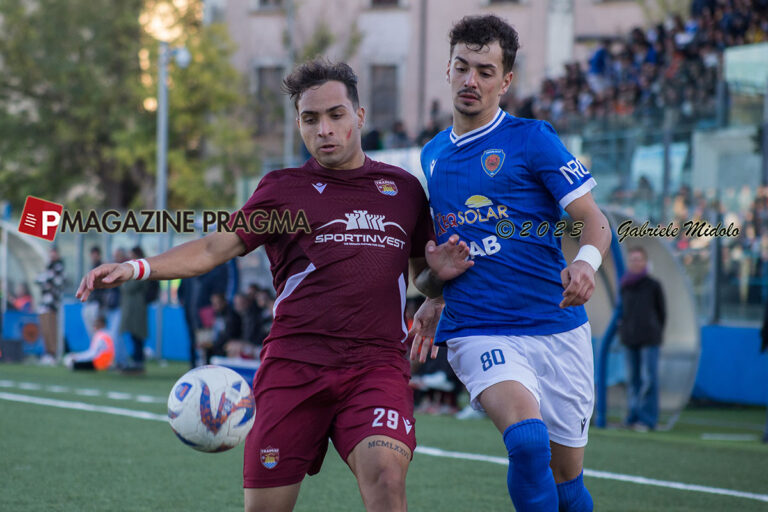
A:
{"x":502,"y":188}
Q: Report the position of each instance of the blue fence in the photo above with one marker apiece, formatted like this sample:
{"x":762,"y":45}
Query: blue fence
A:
{"x":731,"y":368}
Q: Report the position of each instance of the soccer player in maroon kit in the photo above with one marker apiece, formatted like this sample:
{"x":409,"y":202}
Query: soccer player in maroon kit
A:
{"x":340,"y":232}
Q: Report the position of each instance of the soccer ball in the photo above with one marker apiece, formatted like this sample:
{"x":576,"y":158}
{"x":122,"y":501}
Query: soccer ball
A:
{"x":211,"y":408}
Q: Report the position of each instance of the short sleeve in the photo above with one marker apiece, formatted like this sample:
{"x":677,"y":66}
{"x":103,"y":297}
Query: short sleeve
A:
{"x":562,"y":174}
{"x":250,"y":220}
{"x":423,"y":231}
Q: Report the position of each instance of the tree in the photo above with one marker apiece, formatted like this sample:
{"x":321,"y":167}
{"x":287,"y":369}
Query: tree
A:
{"x":77,"y":124}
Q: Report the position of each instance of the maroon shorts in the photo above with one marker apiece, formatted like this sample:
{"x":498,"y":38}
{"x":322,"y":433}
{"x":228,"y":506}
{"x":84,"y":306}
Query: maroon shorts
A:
{"x":300,"y":405}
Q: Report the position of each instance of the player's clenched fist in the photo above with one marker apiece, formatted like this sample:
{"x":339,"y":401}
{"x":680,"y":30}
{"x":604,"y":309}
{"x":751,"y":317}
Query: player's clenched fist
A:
{"x":107,"y":275}
{"x":579,"y":283}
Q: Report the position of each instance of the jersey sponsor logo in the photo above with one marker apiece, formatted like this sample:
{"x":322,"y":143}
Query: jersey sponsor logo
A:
{"x":432,"y":166}
{"x":270,"y":457}
{"x":574,"y":169}
{"x":361,"y":220}
{"x":408,"y":426}
{"x":477,"y":201}
{"x":490,"y":246}
{"x":492,"y":160}
{"x":583,"y":424}
{"x":480,"y":209}
{"x":319,"y":187}
{"x":386,"y":187}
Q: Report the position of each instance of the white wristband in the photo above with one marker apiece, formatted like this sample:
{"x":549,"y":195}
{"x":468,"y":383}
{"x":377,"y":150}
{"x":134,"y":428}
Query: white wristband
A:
{"x":591,"y":255}
{"x":140,"y":269}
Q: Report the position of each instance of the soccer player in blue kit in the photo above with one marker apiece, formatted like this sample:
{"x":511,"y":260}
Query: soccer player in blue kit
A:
{"x":514,"y":323}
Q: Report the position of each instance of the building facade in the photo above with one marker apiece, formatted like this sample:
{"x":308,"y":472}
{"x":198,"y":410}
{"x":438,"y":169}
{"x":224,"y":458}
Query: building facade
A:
{"x":399,"y":48}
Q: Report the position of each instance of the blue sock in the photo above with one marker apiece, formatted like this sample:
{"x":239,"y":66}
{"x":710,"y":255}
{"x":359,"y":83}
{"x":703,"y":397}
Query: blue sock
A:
{"x":529,"y":478}
{"x":574,"y":497}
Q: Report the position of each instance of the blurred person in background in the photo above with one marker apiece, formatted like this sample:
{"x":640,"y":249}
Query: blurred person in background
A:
{"x":21,"y":299}
{"x":195,"y":297}
{"x":101,"y":352}
{"x":248,"y":344}
{"x":133,"y":316}
{"x":764,"y":348}
{"x":97,"y":301}
{"x":51,"y":282}
{"x":398,"y":137}
{"x":112,"y":312}
{"x":642,"y":325}
{"x":227,"y":326}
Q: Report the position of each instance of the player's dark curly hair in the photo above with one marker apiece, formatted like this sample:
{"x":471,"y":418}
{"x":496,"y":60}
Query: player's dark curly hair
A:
{"x":479,"y":31}
{"x":316,"y":72}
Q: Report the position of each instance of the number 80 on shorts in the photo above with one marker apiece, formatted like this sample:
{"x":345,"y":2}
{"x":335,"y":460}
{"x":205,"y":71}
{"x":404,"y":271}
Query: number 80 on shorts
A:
{"x":492,"y":357}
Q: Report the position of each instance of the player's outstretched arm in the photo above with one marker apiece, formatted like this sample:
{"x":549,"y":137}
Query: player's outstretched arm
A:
{"x":579,"y":277}
{"x":185,"y":260}
{"x":446,"y":261}
{"x":424,"y":327}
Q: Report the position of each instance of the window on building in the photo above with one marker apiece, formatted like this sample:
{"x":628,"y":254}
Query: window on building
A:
{"x":385,"y":3}
{"x":384,"y":106}
{"x":266,"y":4}
{"x":269,"y":99}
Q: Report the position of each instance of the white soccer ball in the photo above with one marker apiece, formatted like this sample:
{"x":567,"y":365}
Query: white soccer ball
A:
{"x":211,"y":408}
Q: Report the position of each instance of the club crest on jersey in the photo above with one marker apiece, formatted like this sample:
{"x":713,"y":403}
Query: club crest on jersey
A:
{"x":492,"y":160}
{"x":270,"y":457}
{"x":386,"y":187}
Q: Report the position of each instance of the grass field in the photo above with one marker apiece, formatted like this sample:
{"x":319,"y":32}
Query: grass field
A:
{"x":54,"y":457}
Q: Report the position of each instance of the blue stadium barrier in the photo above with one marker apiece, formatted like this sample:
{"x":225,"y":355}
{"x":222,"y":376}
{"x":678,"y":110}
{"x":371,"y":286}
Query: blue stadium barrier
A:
{"x":601,"y":381}
{"x":731,"y":368}
{"x":16,"y":326}
{"x":175,"y":334}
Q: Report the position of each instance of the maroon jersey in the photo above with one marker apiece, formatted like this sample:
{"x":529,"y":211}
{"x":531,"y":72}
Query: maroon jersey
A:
{"x":338,"y":242}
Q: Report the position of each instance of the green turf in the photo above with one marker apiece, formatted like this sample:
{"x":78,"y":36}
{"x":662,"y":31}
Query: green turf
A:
{"x":59,"y":459}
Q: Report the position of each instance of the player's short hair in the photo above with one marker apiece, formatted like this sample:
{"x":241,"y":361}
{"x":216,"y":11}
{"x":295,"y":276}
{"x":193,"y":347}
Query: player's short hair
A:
{"x":479,"y":31}
{"x":315,"y":73}
{"x":637,"y":248}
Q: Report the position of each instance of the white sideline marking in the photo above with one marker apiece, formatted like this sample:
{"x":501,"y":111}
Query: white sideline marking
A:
{"x":728,"y":437}
{"x":87,"y":392}
{"x":426,"y":450}
{"x":80,"y":406}
{"x":150,"y":399}
{"x":113,"y":395}
{"x":437,"y":452}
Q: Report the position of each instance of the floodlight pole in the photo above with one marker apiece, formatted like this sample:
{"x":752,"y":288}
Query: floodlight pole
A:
{"x":161,"y":186}
{"x":288,"y":110}
{"x":162,"y":128}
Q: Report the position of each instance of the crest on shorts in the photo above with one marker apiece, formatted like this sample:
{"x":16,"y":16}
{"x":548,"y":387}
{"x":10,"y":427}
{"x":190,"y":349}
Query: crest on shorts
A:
{"x":386,"y":187}
{"x":492,"y":160}
{"x":270,"y":457}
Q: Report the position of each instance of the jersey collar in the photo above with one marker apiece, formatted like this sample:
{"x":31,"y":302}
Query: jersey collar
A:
{"x":460,"y":140}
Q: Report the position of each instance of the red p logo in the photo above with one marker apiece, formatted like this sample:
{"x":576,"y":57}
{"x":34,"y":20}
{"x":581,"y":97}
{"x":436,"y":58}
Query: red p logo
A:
{"x":40,"y":218}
